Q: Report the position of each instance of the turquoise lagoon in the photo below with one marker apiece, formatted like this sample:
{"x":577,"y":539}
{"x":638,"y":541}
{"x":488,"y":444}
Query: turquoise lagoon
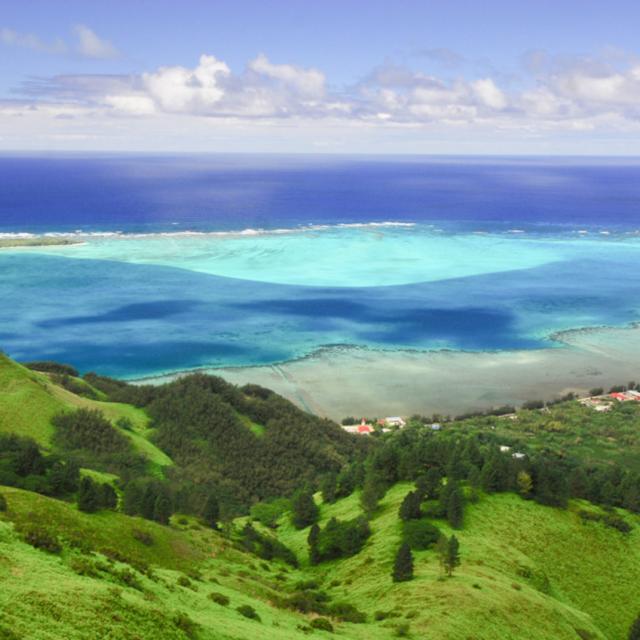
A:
{"x":144,"y":304}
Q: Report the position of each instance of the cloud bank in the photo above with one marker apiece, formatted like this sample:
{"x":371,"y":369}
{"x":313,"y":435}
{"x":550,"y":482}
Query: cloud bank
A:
{"x":558,"y":96}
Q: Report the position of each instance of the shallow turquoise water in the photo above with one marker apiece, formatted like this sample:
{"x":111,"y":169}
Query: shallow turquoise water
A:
{"x":149,"y":304}
{"x":352,"y":255}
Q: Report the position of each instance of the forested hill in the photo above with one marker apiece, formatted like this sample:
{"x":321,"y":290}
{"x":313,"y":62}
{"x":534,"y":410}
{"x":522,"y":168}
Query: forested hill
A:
{"x":192,"y":438}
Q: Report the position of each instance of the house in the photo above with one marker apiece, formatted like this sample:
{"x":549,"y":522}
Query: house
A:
{"x":436,"y":426}
{"x":504,"y":448}
{"x":625,"y":396}
{"x":361,"y":429}
{"x":518,"y":455}
{"x":395,"y":421}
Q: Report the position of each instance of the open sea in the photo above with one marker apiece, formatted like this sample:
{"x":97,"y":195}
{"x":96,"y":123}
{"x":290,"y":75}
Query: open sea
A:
{"x":210,"y":261}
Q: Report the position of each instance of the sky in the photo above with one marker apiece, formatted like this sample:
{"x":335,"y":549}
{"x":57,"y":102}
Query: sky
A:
{"x":322,"y":76}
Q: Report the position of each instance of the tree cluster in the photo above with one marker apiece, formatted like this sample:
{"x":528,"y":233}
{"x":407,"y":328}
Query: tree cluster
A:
{"x":23,"y":465}
{"x":338,"y":539}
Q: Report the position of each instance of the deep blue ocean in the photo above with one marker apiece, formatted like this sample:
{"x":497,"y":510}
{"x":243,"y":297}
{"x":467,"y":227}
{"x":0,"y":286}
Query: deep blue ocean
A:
{"x":196,"y":261}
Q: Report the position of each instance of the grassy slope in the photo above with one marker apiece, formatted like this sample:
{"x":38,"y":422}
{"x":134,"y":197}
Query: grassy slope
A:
{"x":28,"y":401}
{"x":592,"y":572}
{"x":42,"y":598}
{"x":27,"y":405}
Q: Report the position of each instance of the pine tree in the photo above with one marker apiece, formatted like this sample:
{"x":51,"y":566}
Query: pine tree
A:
{"x":148,"y":502}
{"x":162,"y":508}
{"x":372,"y":492}
{"x":453,"y":555}
{"x":88,"y":496}
{"x":432,"y":483}
{"x":108,"y":496}
{"x":634,"y":631}
{"x":329,"y":487}
{"x":455,"y":507}
{"x":304,"y":509}
{"x":630,"y":490}
{"x":313,"y":540}
{"x":403,"y":564}
{"x":410,"y":507}
{"x":211,"y":511}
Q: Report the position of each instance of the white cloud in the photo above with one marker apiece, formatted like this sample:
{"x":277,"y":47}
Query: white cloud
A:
{"x":87,"y":43}
{"x":178,"y":89}
{"x":12,"y":38}
{"x":91,"y":46}
{"x":308,"y":82}
{"x":489,"y":94}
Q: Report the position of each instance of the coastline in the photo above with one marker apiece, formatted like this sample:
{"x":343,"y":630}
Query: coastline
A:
{"x":36,"y":241}
{"x":336,"y":381}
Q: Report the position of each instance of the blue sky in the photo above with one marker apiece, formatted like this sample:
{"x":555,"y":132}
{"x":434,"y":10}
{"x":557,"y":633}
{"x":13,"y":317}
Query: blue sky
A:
{"x":348,"y":76}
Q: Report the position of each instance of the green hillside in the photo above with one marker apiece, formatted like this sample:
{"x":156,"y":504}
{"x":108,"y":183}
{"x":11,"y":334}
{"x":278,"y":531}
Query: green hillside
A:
{"x":527,"y":571}
{"x":128,"y":518}
{"x":29,"y":400}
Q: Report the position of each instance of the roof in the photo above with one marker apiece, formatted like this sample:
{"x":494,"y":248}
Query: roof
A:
{"x":365,"y":428}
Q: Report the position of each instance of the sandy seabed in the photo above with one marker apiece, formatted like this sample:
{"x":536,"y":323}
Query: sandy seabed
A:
{"x":344,"y":381}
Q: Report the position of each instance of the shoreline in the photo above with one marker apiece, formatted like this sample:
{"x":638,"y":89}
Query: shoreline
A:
{"x":340,"y":380}
{"x":39,"y":241}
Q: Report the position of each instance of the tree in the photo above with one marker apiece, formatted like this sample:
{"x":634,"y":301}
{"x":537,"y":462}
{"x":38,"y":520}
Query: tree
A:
{"x":429,"y":485}
{"x":329,"y":488}
{"x":312,"y":539}
{"x":162,"y":508}
{"x":304,"y":509}
{"x":403,"y":564}
{"x":372,"y":492}
{"x":455,"y":507}
{"x":630,"y":489}
{"x":108,"y":496}
{"x":448,"y":550}
{"x":88,"y":496}
{"x":410,"y":507}
{"x":634,"y":631}
{"x":148,"y":502}
{"x":211,"y":511}
{"x":525,"y":484}
{"x":495,"y":473}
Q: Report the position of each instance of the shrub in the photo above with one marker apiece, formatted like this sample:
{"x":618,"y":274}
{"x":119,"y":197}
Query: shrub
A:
{"x":42,"y":539}
{"x":248,"y":612}
{"x":183,"y":581}
{"x":268,"y":513}
{"x":420,"y":534}
{"x":83,"y":567}
{"x":402,"y":630}
{"x":183,"y":622}
{"x":128,"y":578}
{"x":142,"y":536}
{"x":219,"y":598}
{"x":322,"y":624}
{"x":3,"y":503}
{"x":346,"y":612}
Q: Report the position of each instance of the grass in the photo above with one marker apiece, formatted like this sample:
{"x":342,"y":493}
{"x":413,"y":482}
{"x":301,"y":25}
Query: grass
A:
{"x":528,"y":572}
{"x":27,"y":404}
{"x":29,"y":399}
{"x":254,"y":427}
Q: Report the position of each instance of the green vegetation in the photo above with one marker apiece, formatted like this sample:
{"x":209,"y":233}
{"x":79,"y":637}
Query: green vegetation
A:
{"x":201,"y":510}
